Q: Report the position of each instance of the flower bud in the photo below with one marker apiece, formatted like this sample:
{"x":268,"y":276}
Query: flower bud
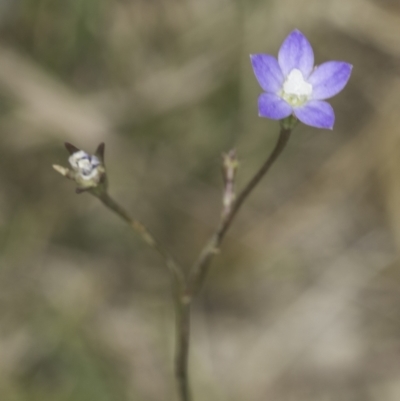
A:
{"x":229,"y":168}
{"x":87,"y":170}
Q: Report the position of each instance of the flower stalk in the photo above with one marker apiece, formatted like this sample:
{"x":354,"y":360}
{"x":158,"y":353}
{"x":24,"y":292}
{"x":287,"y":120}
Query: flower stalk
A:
{"x":182,"y":343}
{"x":146,"y":236}
{"x":200,"y":267}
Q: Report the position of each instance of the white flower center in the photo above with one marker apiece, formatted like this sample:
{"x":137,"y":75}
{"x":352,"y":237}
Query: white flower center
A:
{"x":296,"y":90}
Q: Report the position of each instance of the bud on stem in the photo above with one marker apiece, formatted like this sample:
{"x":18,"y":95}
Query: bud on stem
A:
{"x":229,"y":168}
{"x":86,"y":170}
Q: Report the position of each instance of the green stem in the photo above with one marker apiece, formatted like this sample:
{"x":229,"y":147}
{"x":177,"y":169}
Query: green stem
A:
{"x":186,"y":290}
{"x":148,"y":238}
{"x":182,"y":349}
{"x":182,"y":307}
{"x":200,"y":268}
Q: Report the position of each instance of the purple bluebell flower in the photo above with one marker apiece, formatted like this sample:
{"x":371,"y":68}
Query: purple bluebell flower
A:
{"x":293,"y":86}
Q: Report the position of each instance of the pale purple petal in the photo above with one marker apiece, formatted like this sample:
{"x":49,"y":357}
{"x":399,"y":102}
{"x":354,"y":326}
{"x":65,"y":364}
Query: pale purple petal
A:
{"x":316,"y":113}
{"x":274,"y":107}
{"x":296,"y":52}
{"x":329,"y":79}
{"x":267,"y":72}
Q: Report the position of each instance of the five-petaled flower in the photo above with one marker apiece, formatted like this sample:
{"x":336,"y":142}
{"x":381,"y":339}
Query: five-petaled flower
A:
{"x":293,"y":86}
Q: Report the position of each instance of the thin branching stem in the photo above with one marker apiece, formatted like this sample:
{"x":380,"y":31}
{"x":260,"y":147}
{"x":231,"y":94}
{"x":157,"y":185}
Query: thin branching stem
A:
{"x":182,"y":349}
{"x":200,"y":267}
{"x":185,"y":289}
{"x":182,"y":307}
{"x":149,"y":239}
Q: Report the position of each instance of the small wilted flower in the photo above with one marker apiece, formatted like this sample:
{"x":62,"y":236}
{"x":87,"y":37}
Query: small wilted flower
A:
{"x":85,"y":165}
{"x":293,"y":86}
{"x":87,"y":170}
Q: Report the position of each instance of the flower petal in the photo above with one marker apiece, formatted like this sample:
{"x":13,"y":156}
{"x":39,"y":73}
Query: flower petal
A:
{"x":272,"y":106}
{"x":267,"y":72}
{"x":316,"y":113}
{"x":296,"y":52}
{"x":329,"y":79}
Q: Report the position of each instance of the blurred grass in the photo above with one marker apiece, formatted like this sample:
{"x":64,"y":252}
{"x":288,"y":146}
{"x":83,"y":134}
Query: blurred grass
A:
{"x":302,"y":302}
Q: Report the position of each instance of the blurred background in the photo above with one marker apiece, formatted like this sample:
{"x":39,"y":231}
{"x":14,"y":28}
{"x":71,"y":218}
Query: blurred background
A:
{"x":303,"y":302}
